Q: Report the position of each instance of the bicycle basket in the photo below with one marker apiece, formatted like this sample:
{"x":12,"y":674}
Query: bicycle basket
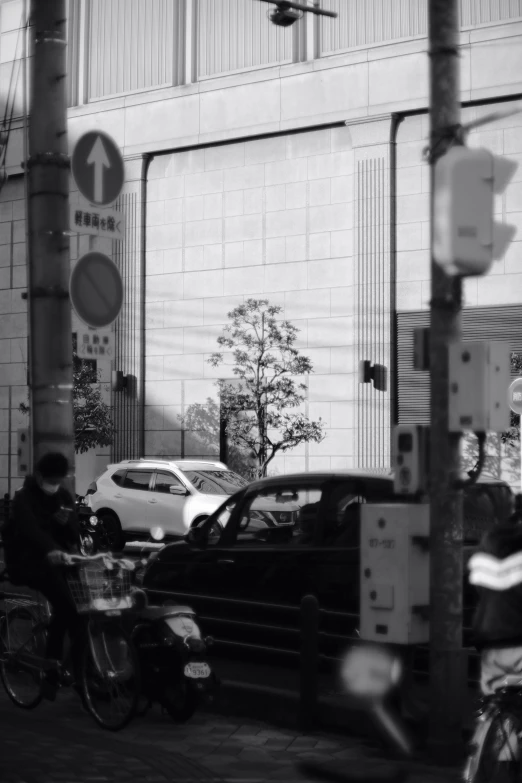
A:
{"x":94,"y":588}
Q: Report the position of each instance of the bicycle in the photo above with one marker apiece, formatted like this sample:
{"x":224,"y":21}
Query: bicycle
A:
{"x":494,"y":751}
{"x":495,"y":746}
{"x":110,"y":674}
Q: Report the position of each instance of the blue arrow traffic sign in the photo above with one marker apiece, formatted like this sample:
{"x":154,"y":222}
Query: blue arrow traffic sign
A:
{"x":97,"y":167}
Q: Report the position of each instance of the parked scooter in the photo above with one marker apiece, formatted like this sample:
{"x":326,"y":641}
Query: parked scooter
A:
{"x":93,"y":536}
{"x":173,"y":654}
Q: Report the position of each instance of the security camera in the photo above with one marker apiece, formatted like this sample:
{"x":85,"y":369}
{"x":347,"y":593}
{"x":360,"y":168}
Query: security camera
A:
{"x":285,"y":16}
{"x":287,"y":12}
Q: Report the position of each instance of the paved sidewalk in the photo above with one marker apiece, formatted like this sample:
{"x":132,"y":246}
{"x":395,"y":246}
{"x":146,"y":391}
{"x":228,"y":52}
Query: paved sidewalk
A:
{"x":59,"y":743}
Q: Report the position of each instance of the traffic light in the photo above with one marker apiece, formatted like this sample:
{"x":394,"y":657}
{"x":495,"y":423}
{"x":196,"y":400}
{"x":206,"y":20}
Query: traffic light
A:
{"x":465,"y":237}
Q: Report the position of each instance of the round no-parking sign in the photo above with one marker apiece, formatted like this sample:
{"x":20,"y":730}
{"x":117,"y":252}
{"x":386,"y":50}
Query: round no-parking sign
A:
{"x":96,"y":290}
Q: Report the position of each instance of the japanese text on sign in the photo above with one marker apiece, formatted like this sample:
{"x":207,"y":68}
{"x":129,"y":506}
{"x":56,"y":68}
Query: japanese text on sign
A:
{"x":83,"y":219}
{"x":93,"y":219}
{"x":386,"y":543}
{"x":95,"y":345}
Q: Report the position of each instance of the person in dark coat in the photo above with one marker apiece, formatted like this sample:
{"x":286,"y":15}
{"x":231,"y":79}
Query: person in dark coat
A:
{"x":496,"y":571}
{"x":41,"y":531}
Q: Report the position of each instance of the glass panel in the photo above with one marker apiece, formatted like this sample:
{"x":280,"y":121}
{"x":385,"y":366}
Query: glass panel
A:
{"x":137,"y":479}
{"x":215,"y":482}
{"x":164,"y":481}
{"x":118,"y":477}
{"x":223,"y":518}
{"x":293,"y":508}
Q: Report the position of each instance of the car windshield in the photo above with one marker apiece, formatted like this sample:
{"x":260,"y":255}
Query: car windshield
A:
{"x":215,"y":482}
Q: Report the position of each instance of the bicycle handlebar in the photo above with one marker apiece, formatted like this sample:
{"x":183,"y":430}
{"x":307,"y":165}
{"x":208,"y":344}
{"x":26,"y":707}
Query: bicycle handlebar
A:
{"x":108,"y":560}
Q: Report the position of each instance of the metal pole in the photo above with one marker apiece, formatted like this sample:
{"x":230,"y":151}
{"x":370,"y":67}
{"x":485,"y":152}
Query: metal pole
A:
{"x":50,"y":376}
{"x":309,"y":662}
{"x":447,"y":677}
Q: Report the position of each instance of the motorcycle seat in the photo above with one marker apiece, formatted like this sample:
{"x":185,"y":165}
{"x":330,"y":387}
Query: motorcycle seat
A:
{"x":157,"y":612}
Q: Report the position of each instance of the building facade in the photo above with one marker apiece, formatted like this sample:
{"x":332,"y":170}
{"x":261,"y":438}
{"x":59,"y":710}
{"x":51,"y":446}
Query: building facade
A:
{"x":273,"y":163}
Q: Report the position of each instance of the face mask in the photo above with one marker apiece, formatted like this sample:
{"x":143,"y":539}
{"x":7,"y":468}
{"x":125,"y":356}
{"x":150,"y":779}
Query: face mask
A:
{"x":50,"y":489}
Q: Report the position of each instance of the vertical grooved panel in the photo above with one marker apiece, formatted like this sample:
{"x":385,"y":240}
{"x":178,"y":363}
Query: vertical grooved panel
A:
{"x":126,"y":404}
{"x":73,"y":41}
{"x":478,"y":323}
{"x":365,"y":22}
{"x":234,"y":34}
{"x":373,"y":308}
{"x":132,"y":45}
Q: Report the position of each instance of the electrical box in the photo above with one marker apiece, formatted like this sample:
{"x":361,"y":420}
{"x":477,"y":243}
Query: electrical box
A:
{"x":410,"y":458}
{"x":479,"y":376}
{"x":23,"y":452}
{"x":395,"y":573}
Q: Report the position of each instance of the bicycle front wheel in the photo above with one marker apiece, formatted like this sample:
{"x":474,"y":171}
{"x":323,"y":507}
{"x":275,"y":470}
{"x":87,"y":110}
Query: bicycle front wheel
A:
{"x":21,"y":633}
{"x":111,"y":676}
{"x":496,"y":750}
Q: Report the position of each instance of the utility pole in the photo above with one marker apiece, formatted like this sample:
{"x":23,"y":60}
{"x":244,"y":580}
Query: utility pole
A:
{"x":448,"y":675}
{"x":50,"y":333}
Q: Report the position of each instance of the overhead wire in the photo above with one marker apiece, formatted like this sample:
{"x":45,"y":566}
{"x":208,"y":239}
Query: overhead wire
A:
{"x":11,"y":92}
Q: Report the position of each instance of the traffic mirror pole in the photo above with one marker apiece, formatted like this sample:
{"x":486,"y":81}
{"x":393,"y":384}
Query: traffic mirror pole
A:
{"x":50,"y":331}
{"x":448,"y":676}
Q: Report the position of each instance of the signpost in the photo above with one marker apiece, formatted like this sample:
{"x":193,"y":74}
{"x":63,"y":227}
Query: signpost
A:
{"x":95,"y":343}
{"x":515,"y":403}
{"x":96,"y":290}
{"x":97,"y":167}
{"x":99,"y":222}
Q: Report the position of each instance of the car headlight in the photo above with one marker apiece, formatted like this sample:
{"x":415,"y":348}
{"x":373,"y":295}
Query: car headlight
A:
{"x":93,"y":520}
{"x":183,"y":626}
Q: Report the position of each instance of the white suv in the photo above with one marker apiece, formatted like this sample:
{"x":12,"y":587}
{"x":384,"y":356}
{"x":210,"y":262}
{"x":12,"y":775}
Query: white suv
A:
{"x":134,"y":496}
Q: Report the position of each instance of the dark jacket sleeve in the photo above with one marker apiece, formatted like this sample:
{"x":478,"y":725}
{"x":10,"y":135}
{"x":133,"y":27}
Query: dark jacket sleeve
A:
{"x":27,"y":528}
{"x":72,"y":528}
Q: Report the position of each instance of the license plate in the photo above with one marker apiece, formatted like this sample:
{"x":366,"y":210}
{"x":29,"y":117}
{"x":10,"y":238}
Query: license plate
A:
{"x":197,"y":670}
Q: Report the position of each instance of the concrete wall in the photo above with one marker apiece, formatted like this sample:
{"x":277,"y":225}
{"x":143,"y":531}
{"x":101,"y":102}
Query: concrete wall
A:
{"x":267,"y":219}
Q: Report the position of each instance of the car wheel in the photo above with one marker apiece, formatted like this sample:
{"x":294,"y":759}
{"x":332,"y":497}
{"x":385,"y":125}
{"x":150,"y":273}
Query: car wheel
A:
{"x":112,"y":525}
{"x":199,"y":521}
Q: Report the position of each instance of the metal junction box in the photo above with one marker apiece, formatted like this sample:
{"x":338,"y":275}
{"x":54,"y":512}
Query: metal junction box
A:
{"x":410,"y":458}
{"x":395,"y":573}
{"x":479,"y":376}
